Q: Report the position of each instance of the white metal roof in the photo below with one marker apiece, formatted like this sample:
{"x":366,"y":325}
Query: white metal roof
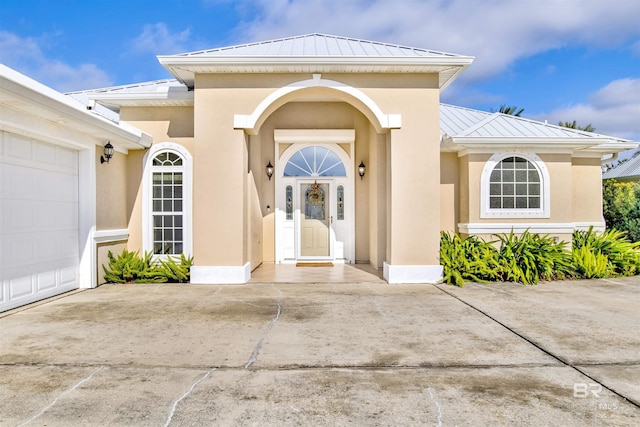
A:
{"x":315,"y":53}
{"x":627,"y":170}
{"x":462,"y":128}
{"x":319,"y":45}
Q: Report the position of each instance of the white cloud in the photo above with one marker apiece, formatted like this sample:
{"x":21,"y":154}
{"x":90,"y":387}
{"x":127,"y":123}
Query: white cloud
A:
{"x":159,"y":40}
{"x":496,"y":32}
{"x":613,"y":110}
{"x":26,"y":56}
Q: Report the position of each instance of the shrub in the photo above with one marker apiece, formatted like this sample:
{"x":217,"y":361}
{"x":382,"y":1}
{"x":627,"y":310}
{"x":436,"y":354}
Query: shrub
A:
{"x":470,"y":259}
{"x":623,"y":256}
{"x":130,"y":267}
{"x":621,"y":207}
{"x":529,"y":258}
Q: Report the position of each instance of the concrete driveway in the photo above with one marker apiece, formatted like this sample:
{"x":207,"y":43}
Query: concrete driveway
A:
{"x":564,"y":353}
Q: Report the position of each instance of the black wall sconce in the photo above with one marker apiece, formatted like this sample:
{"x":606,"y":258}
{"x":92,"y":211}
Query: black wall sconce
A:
{"x":361,"y":169}
{"x":269,"y":170}
{"x":108,"y":153}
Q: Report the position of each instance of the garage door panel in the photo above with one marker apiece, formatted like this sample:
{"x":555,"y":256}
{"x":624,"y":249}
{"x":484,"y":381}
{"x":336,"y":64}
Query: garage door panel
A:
{"x":46,"y":281}
{"x":39,"y":245}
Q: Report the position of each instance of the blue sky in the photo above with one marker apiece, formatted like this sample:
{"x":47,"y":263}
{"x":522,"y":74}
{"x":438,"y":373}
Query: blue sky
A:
{"x":558,"y":59}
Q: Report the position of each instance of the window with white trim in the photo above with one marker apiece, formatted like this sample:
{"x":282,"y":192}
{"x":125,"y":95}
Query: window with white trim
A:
{"x":515,"y":185}
{"x":167,"y":191}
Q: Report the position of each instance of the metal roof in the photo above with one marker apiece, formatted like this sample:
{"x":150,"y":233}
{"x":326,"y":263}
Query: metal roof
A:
{"x":315,"y":53}
{"x":626,"y":170}
{"x":319,"y":45}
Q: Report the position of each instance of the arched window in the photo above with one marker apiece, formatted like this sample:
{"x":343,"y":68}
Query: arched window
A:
{"x":515,"y":185}
{"x":167,"y":200}
{"x":315,"y":161}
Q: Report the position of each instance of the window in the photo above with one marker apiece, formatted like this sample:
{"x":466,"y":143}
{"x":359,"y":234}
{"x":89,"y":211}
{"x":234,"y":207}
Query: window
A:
{"x":167,"y":194}
{"x":515,"y":186}
{"x":315,"y":161}
{"x":289,"y":202}
{"x":340,"y":202}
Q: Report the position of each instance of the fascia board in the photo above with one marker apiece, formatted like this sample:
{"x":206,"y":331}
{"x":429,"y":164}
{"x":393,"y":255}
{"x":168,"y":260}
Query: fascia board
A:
{"x":22,"y":87}
{"x":540,"y":144}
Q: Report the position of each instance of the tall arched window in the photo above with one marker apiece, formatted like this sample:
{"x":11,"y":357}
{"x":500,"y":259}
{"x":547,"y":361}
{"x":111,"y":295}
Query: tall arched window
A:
{"x":515,"y":185}
{"x":167,"y":200}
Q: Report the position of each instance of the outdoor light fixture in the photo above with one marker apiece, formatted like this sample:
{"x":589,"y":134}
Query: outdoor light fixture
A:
{"x":269,"y":170}
{"x":108,"y":153}
{"x":361,"y":169}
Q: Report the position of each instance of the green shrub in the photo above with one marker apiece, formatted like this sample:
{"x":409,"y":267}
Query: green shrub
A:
{"x":471,"y":259}
{"x":589,"y":264}
{"x":623,"y":256}
{"x":621,"y":207}
{"x":529,"y":258}
{"x":174,"y":272}
{"x":130,"y":267}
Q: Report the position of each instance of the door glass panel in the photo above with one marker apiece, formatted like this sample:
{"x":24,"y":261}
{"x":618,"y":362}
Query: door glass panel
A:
{"x":340,"y":196}
{"x":289,"y":202}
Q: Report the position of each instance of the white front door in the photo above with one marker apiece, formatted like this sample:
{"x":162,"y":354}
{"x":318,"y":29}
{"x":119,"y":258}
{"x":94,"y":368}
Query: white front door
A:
{"x":315,"y":221}
{"x":315,"y":211}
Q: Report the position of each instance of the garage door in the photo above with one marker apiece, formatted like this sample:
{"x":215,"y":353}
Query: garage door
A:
{"x":39,"y":251}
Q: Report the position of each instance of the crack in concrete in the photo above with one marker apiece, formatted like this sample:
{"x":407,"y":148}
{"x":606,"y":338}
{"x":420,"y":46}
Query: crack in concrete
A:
{"x":539,"y":346}
{"x":433,"y":399}
{"x":188,"y":392}
{"x":258,"y":347}
{"x":84,"y":380}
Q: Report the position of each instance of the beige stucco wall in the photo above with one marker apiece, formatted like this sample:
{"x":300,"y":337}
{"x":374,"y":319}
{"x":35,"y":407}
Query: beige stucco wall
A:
{"x":449,"y":191}
{"x":587,"y":189}
{"x":103,"y":249}
{"x":111,"y":188}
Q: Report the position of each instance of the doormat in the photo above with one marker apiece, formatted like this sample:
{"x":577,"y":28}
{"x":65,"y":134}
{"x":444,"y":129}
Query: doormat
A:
{"x":314,"y":264}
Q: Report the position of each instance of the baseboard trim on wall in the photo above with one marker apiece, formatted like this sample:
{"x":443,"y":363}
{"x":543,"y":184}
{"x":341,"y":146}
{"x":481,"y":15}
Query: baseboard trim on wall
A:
{"x":220,"y":274}
{"x":412,"y":273}
{"x":542,"y":227}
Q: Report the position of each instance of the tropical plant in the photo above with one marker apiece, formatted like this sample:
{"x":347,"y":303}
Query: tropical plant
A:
{"x":470,"y":259}
{"x":131,"y":267}
{"x":623,"y":256}
{"x":511,"y":110}
{"x":529,"y":258}
{"x":621,"y":207}
{"x":574,"y":125}
{"x":176,"y":272}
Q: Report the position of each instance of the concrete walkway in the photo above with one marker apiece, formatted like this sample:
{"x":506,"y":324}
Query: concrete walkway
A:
{"x":564,"y":353}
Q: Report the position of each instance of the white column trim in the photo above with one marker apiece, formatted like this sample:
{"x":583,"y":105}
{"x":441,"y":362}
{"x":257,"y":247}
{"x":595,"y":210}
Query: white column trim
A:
{"x":220,"y":274}
{"x":412,"y":273}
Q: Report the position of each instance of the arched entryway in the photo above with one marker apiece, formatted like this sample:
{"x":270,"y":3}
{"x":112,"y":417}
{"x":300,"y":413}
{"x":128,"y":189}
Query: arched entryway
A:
{"x":314,"y":197}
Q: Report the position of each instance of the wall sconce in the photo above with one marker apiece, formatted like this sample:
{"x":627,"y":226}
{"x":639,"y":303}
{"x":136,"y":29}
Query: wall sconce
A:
{"x":361,"y":169}
{"x":269,"y":170}
{"x":108,"y":153}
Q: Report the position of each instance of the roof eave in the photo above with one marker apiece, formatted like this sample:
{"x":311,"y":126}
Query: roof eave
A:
{"x":493,"y":143}
{"x":20,"y":86}
{"x":184,"y":68}
{"x":114,"y":101}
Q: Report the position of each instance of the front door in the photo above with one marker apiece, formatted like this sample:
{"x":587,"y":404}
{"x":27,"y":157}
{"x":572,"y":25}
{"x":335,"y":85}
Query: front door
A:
{"x":315,"y":220}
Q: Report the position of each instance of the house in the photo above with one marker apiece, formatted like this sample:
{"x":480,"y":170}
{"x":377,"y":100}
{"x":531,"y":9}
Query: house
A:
{"x":308,"y":148}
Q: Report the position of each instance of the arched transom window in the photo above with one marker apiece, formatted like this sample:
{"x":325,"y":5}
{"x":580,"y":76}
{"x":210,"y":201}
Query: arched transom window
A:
{"x":515,"y":186}
{"x":315,"y":161}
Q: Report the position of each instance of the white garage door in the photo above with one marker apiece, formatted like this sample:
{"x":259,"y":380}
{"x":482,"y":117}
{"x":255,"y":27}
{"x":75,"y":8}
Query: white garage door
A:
{"x":39,"y":251}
